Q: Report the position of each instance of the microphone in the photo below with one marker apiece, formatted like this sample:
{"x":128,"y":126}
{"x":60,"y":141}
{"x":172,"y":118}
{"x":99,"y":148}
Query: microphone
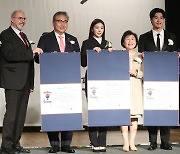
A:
{"x":83,"y":1}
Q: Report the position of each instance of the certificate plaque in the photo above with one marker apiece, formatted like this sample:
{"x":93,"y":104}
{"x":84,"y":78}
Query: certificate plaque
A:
{"x":60,"y":91}
{"x":161,"y":89}
{"x":108,"y":88}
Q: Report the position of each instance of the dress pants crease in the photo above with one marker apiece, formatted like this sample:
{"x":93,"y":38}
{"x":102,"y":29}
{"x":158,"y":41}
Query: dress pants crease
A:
{"x":97,"y":136}
{"x":164,"y":134}
{"x":66,"y":138}
{"x":14,"y":118}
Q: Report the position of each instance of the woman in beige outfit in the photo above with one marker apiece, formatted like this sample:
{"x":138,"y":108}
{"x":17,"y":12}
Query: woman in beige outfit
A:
{"x":129,"y":41}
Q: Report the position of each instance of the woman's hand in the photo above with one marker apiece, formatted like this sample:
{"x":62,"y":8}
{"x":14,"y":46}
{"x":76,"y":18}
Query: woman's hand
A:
{"x":133,"y":72}
{"x":97,"y":49}
{"x":110,"y":49}
{"x":142,"y":54}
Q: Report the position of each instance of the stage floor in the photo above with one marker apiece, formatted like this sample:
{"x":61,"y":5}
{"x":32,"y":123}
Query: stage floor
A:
{"x":38,"y":142}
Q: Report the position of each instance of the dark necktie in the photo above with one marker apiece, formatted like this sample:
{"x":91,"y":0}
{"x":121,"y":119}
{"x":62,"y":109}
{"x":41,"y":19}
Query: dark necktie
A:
{"x":158,"y":42}
{"x":24,"y":39}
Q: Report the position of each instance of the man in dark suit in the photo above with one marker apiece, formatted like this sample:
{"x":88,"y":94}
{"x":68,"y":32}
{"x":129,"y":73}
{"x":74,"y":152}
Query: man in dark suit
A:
{"x":158,"y":39}
{"x":59,"y":41}
{"x":17,"y":78}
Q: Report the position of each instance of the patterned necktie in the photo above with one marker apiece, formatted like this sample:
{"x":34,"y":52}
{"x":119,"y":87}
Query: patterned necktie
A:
{"x":158,"y":42}
{"x":62,"y":46}
{"x":23,"y":37}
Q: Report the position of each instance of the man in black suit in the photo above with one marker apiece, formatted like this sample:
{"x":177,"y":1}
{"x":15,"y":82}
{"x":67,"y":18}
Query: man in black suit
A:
{"x":17,"y":78}
{"x":158,"y":39}
{"x":51,"y":42}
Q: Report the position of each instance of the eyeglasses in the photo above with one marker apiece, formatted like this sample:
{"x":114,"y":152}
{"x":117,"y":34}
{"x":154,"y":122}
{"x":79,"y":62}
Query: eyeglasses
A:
{"x":61,"y":21}
{"x":20,"y":18}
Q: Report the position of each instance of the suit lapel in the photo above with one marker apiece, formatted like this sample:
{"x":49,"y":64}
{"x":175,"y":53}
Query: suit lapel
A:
{"x":54,"y":42}
{"x":67,"y":39}
{"x":29,"y":44}
{"x":17,"y":38}
{"x":154,"y":47}
{"x":152,"y":40}
{"x":96,"y":43}
{"x":165,"y":41}
{"x":103,"y":44}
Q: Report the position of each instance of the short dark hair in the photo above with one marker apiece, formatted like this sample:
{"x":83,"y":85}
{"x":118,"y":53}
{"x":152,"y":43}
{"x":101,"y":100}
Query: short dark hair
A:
{"x":156,"y":10}
{"x":126,"y":33}
{"x":94,"y":22}
{"x":60,"y":13}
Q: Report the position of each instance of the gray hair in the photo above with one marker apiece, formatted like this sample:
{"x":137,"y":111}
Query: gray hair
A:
{"x":15,"y":12}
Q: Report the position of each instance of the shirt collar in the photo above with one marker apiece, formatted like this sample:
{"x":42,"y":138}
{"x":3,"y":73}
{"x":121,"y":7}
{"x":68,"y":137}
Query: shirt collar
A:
{"x":99,"y":39}
{"x":57,"y":35}
{"x":15,"y":30}
{"x":155,"y":32}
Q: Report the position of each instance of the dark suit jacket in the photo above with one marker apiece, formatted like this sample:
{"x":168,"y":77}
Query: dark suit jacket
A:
{"x":48,"y":43}
{"x":16,"y":59}
{"x":89,"y":44}
{"x":146,"y":42}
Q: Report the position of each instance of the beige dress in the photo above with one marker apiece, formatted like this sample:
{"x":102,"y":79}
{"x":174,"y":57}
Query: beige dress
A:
{"x":136,"y":90}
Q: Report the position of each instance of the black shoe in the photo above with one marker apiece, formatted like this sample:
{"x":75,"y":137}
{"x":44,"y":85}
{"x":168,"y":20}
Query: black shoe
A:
{"x":21,"y":149}
{"x":152,"y":147}
{"x":166,"y":146}
{"x":67,"y":150}
{"x":8,"y":151}
{"x":54,"y":149}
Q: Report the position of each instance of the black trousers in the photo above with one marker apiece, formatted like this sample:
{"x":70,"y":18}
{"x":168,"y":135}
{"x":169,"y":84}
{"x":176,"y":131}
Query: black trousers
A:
{"x":15,"y":115}
{"x":164,"y":134}
{"x":66,"y":138}
{"x":97,"y":136}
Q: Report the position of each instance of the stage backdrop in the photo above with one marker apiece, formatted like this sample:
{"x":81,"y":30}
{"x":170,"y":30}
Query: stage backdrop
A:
{"x":118,"y":15}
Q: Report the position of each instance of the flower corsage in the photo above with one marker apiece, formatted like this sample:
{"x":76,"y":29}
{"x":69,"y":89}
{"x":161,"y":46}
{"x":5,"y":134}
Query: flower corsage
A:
{"x":72,"y":42}
{"x":138,"y":60}
{"x":108,"y":45}
{"x":170,"y":42}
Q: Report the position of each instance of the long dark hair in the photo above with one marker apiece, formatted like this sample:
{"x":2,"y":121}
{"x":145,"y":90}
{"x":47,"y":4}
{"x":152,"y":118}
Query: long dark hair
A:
{"x":94,"y":22}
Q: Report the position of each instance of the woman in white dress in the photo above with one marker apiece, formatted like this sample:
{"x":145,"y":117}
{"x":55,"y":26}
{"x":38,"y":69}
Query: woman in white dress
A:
{"x":129,"y":41}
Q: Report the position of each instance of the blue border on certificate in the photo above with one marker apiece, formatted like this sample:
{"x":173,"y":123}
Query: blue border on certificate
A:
{"x":161,"y":118}
{"x":60,"y":68}
{"x":108,"y":117}
{"x":161,"y":66}
{"x":62,"y":122}
{"x":108,"y":66}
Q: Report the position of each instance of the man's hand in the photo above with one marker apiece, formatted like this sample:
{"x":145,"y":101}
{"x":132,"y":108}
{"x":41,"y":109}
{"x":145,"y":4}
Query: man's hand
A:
{"x":31,"y":90}
{"x":178,"y":54}
{"x":38,"y":51}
